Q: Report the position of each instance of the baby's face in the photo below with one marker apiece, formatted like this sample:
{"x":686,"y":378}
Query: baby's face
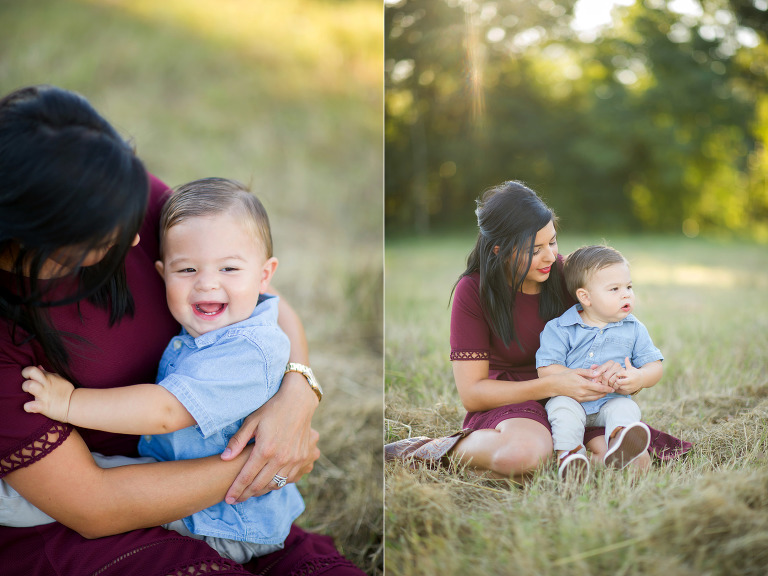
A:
{"x":610,"y":293}
{"x":214,"y":270}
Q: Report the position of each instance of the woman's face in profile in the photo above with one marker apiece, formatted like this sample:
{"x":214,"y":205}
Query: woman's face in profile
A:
{"x":63,"y":260}
{"x":544,"y":257}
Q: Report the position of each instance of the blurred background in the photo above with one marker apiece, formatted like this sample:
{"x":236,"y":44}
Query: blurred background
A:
{"x":287,"y":97}
{"x":647,"y":115}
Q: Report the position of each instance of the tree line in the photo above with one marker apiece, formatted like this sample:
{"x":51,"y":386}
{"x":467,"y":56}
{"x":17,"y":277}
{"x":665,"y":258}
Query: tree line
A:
{"x":658,"y":121}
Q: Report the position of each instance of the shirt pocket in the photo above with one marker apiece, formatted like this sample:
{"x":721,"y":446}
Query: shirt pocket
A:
{"x":619,"y":348}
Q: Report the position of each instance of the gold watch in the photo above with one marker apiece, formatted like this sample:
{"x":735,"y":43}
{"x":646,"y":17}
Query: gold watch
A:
{"x":308,"y":374}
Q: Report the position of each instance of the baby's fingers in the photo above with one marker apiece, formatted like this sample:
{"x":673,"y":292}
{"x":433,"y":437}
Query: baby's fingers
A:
{"x":33,"y":373}
{"x":33,"y":387}
{"x":34,"y":407}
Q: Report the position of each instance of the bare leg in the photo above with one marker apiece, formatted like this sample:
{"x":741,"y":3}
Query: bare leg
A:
{"x":642,"y":464}
{"x":515,"y":448}
{"x":597,"y":449}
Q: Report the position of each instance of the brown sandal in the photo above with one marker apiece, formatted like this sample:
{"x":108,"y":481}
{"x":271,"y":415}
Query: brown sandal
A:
{"x":422,"y":449}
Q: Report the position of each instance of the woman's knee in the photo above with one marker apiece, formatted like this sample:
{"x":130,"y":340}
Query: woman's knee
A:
{"x":521,"y":458}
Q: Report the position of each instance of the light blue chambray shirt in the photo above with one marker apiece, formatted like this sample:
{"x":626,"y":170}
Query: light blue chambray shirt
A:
{"x":569,"y":342}
{"x":221,"y":377}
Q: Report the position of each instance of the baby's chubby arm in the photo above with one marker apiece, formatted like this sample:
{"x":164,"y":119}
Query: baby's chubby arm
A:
{"x":137,"y":409}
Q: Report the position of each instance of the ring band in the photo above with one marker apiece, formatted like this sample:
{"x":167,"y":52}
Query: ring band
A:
{"x":280,"y":480}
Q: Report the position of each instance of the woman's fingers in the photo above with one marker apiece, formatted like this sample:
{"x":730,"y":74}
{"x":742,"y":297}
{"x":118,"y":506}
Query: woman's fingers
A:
{"x":240,"y":439}
{"x":591,"y":390}
{"x":250,"y":479}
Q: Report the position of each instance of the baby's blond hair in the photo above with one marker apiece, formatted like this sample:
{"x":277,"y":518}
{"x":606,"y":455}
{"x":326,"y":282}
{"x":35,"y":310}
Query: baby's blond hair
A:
{"x":582,"y":263}
{"x":210,"y":196}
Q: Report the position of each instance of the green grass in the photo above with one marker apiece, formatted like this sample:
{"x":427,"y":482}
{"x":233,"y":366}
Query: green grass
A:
{"x":704,"y":304}
{"x":286,"y":96}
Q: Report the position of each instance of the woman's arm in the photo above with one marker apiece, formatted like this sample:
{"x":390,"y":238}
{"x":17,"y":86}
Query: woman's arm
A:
{"x":285,"y":443}
{"x":479,"y":393}
{"x":67,"y":485}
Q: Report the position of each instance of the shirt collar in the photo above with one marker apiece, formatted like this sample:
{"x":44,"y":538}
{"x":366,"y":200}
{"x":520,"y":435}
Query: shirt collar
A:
{"x":571,"y":317}
{"x":264,"y":313}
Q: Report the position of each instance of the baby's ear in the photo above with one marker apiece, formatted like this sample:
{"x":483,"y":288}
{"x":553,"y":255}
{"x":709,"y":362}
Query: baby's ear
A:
{"x":583,"y":296}
{"x":267,"y":271}
{"x":160,"y":268}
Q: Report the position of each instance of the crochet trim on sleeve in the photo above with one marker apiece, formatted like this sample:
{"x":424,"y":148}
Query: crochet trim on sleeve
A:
{"x":39,"y":448}
{"x":470,"y":355}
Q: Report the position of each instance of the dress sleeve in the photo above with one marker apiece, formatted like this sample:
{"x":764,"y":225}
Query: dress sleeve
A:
{"x":24,"y":438}
{"x":150,"y":229}
{"x":470,"y":333}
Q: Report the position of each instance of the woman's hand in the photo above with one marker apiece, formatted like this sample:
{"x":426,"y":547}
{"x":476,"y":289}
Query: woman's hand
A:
{"x":285,"y":443}
{"x":609,"y":373}
{"x":581,"y":384}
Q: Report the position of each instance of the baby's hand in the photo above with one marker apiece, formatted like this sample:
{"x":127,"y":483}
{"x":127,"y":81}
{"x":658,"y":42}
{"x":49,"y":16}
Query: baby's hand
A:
{"x":52,"y":393}
{"x":609,"y":373}
{"x":631,"y":381}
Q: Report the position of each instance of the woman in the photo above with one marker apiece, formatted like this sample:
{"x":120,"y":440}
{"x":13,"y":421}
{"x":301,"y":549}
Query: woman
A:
{"x":79,"y":295}
{"x":512,"y":286}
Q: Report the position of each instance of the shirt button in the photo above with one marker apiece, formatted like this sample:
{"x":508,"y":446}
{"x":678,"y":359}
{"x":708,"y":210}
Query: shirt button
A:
{"x":147,"y":438}
{"x":176,"y":344}
{"x":601,"y":331}
{"x":591,"y":354}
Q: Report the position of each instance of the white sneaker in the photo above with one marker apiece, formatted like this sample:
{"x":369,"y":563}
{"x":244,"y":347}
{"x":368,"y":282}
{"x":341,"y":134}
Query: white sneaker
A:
{"x":573,"y":467}
{"x":631,"y":442}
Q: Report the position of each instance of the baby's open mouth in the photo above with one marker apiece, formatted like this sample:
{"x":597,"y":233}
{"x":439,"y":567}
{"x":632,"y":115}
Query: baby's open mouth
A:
{"x":210,"y":308}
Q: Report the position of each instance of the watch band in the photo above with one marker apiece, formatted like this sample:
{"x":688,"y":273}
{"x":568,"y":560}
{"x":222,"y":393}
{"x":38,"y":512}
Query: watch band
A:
{"x":306,"y":371}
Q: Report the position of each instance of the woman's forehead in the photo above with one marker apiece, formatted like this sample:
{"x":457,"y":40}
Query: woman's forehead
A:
{"x":546,"y":234}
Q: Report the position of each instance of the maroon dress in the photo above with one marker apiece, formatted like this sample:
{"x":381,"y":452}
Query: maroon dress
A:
{"x":473,"y":339}
{"x":126,"y":353}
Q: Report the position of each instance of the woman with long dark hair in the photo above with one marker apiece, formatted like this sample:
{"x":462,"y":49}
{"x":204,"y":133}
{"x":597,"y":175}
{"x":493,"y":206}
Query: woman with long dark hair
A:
{"x":511,"y":287}
{"x":79,"y":295}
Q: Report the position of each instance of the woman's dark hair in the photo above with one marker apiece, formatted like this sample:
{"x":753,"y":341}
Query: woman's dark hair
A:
{"x":67,"y":180}
{"x":509,"y":216}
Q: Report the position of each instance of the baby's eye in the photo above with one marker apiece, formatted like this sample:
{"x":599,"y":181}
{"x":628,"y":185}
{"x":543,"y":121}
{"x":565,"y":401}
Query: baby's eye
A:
{"x":186,"y":270}
{"x":230,"y":269}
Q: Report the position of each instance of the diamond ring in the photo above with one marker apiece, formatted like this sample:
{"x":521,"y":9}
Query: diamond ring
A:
{"x":280,"y":480}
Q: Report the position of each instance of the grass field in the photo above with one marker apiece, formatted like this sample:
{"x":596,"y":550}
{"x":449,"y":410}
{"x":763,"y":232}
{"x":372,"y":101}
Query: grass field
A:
{"x":704,"y":305}
{"x":286,"y":96}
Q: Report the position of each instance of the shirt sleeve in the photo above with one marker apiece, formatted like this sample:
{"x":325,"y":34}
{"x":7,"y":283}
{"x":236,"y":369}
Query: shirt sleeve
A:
{"x":554,"y":346}
{"x":470,"y":333}
{"x":644,"y":350}
{"x":223,"y":383}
